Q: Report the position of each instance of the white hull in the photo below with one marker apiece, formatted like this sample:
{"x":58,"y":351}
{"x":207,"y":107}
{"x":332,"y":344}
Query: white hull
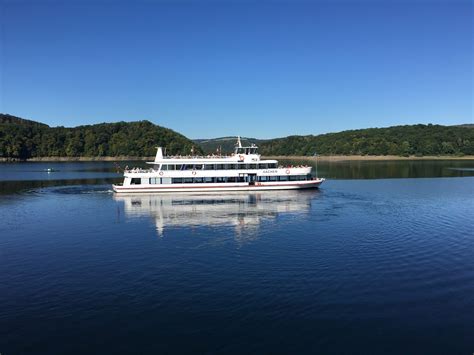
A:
{"x":167,"y":188}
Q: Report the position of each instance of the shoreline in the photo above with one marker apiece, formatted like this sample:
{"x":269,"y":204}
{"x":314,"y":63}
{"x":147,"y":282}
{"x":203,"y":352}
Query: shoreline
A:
{"x":330,"y":158}
{"x":338,"y":158}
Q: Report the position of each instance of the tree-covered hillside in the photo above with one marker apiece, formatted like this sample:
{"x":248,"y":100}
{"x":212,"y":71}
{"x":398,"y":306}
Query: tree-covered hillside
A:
{"x":23,"y":139}
{"x":398,"y":140}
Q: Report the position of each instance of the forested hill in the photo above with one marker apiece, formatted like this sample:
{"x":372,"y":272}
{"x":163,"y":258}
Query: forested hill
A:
{"x":417,"y":140}
{"x":23,"y":139}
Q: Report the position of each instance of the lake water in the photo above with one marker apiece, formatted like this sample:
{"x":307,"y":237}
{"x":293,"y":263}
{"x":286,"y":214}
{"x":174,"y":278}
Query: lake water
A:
{"x":379,"y":260}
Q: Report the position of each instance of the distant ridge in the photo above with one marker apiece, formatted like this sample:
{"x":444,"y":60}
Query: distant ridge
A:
{"x":24,"y":139}
{"x":225,"y":144}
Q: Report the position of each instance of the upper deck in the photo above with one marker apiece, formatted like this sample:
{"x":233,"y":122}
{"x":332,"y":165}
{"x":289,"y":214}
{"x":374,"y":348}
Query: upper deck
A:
{"x":241,"y":154}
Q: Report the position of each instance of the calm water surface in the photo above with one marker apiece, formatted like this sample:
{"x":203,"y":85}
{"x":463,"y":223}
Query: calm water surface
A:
{"x":379,"y":260}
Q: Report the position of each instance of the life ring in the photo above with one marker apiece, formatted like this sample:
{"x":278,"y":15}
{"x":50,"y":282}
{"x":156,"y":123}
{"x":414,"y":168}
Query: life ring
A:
{"x":287,"y":171}
{"x":194,"y":173}
{"x":161,"y":173}
{"x":241,"y":157}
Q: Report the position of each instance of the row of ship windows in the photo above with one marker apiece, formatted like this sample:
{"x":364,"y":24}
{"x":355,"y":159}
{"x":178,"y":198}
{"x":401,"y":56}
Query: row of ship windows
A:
{"x":217,"y":166}
{"x":225,"y":179}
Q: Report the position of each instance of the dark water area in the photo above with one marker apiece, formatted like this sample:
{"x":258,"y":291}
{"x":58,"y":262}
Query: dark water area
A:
{"x":363,"y":265}
{"x":388,"y":169}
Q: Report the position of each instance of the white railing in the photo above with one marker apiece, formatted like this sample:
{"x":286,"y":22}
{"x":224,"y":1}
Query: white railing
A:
{"x":210,"y":156}
{"x":140,"y":170}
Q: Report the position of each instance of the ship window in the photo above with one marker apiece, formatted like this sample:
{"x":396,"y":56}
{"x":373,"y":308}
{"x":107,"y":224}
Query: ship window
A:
{"x":262,"y":178}
{"x":188,"y":180}
{"x":295,"y":178}
{"x":220,"y":179}
{"x":283,"y":178}
{"x":179,"y":167}
{"x":219,"y":166}
{"x":176,"y":180}
{"x":263,"y":166}
{"x":208,"y":179}
{"x":232,"y":179}
{"x":198,"y":180}
{"x":272,"y":178}
{"x":198,"y":167}
{"x":209,"y":167}
{"x":253,"y":166}
{"x":136,"y":181}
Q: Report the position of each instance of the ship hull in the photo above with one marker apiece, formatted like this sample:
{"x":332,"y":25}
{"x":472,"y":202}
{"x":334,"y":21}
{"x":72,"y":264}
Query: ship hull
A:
{"x":175,"y":188}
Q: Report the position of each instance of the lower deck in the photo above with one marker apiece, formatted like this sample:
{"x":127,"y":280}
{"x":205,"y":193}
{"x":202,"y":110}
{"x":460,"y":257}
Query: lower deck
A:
{"x":228,"y":186}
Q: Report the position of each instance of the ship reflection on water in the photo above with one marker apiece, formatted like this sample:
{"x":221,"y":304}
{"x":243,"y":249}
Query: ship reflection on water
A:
{"x":242,"y":211}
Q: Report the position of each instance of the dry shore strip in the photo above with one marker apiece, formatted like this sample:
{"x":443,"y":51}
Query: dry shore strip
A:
{"x":328,"y":158}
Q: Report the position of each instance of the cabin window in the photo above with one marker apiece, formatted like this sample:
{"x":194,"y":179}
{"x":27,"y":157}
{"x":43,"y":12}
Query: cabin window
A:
{"x":164,"y":167}
{"x":220,"y":179}
{"x":198,"y":180}
{"x":253,"y":166}
{"x":272,"y":178}
{"x":154,"y":181}
{"x":136,"y":181}
{"x":209,"y":167}
{"x":232,"y":179}
{"x":219,"y":166}
{"x":179,"y":167}
{"x":283,"y":178}
{"x":263,"y":166}
{"x":188,"y":180}
{"x":208,"y":179}
{"x":198,"y":167}
{"x":177,"y":180}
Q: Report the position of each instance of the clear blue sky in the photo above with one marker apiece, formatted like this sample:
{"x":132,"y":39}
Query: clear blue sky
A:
{"x":256,"y":68}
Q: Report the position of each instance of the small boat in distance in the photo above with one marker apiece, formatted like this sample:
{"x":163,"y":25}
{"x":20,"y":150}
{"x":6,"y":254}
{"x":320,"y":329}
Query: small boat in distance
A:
{"x":241,"y":171}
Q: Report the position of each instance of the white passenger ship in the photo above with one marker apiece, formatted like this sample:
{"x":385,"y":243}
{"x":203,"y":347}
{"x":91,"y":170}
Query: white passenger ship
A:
{"x":241,"y":171}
